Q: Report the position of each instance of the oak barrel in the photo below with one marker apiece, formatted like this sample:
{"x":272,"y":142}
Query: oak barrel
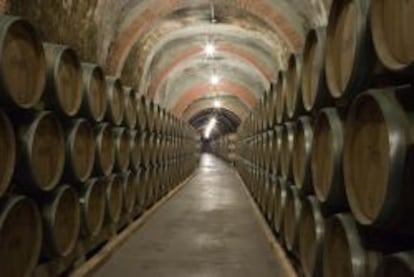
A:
{"x":94,"y":100}
{"x":63,"y":92}
{"x":280,"y":96}
{"x":22,"y":63}
{"x":350,"y":57}
{"x":293,"y":93}
{"x":122,"y":149}
{"x":80,"y":151}
{"x":61,"y":221}
{"x":93,"y":203}
{"x":20,"y":236}
{"x":291,"y":219}
{"x":288,"y":131}
{"x":311,"y":237}
{"x":130,"y":115}
{"x":379,"y":158}
{"x":314,"y":89}
{"x":391,"y":23}
{"x":344,"y":253}
{"x":128,"y":191}
{"x":326,"y":161}
{"x":41,"y":152}
{"x":8,"y":152}
{"x":114,"y":198}
{"x":116,"y":101}
{"x":105,"y":150}
{"x":301,"y":156}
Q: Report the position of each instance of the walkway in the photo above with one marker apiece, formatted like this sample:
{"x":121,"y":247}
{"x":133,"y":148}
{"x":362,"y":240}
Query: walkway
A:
{"x":207,"y":229}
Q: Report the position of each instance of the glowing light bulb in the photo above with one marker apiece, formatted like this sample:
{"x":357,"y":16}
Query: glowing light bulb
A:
{"x":210,"y":49}
{"x":210,"y":127}
{"x":214,"y":80}
{"x":217,"y":103}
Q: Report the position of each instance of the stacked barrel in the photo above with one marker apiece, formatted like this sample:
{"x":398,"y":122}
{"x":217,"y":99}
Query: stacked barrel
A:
{"x":328,"y":153}
{"x":81,"y":153}
{"x":225,"y":146}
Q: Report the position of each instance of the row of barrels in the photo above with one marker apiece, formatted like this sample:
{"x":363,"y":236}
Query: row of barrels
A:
{"x":325,"y":244}
{"x":358,"y":163}
{"x":327,"y":154}
{"x":225,"y":147}
{"x":366,"y":44}
{"x":81,"y":153}
{"x":47,"y":76}
{"x":362,"y":161}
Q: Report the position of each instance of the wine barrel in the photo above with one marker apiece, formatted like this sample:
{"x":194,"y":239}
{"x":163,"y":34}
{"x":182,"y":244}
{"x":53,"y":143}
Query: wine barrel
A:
{"x":269,"y":151}
{"x":129,"y":191}
{"x":280,"y":96}
{"x":280,"y":203}
{"x":23,"y":65}
{"x":291,"y":219}
{"x":293,"y":93}
{"x":270,"y":205}
{"x":114,"y":198}
{"x":92,"y":201}
{"x":301,"y":156}
{"x":130,"y":115}
{"x":391,"y":31}
{"x":343,"y":250}
{"x":150,"y":115}
{"x":350,"y":56}
{"x":277,"y":148}
{"x":94,"y":100}
{"x":378,"y":158}
{"x":157,"y":118}
{"x":8,"y":150}
{"x":20,"y":236}
{"x":398,"y":265}
{"x":144,"y":141}
{"x":41,"y":152}
{"x":142,"y":187}
{"x":80,"y":151}
{"x":271,"y":113}
{"x":148,"y":186}
{"x":105,"y":150}
{"x":135,"y":150}
{"x":61,"y":217}
{"x":122,"y":149}
{"x":314,"y":90}
{"x":142,"y":113}
{"x":63,"y":92}
{"x":288,"y":132}
{"x":116,"y":101}
{"x":326,"y":160}
{"x":311,"y":237}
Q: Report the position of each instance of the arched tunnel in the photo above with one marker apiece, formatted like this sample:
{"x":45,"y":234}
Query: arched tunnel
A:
{"x":206,"y":138}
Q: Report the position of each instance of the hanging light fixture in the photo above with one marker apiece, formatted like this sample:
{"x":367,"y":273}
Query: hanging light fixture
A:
{"x":210,"y":127}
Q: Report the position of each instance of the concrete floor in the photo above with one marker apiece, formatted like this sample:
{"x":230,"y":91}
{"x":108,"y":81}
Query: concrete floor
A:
{"x":207,"y":229}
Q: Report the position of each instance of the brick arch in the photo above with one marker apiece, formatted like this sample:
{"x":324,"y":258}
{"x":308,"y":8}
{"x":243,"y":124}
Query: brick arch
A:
{"x":196,"y":51}
{"x":200,"y":90}
{"x":161,"y":8}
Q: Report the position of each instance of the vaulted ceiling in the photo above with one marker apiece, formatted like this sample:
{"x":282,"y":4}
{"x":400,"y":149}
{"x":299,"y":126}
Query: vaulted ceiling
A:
{"x":158,"y":46}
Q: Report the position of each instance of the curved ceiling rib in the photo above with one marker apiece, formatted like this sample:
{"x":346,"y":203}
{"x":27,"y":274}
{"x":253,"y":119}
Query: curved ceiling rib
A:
{"x":200,"y":90}
{"x":227,"y":102}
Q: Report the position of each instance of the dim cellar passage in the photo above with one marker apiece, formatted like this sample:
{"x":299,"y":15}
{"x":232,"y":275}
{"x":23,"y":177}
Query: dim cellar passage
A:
{"x":207,"y":229}
{"x":83,"y":156}
{"x":328,"y":153}
{"x":207,"y":138}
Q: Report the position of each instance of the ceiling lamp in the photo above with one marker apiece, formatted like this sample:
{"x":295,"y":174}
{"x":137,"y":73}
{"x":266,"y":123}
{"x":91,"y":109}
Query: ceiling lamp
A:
{"x":210,"y":127}
{"x":217,"y":104}
{"x":210,"y":49}
{"x":214,"y":79}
